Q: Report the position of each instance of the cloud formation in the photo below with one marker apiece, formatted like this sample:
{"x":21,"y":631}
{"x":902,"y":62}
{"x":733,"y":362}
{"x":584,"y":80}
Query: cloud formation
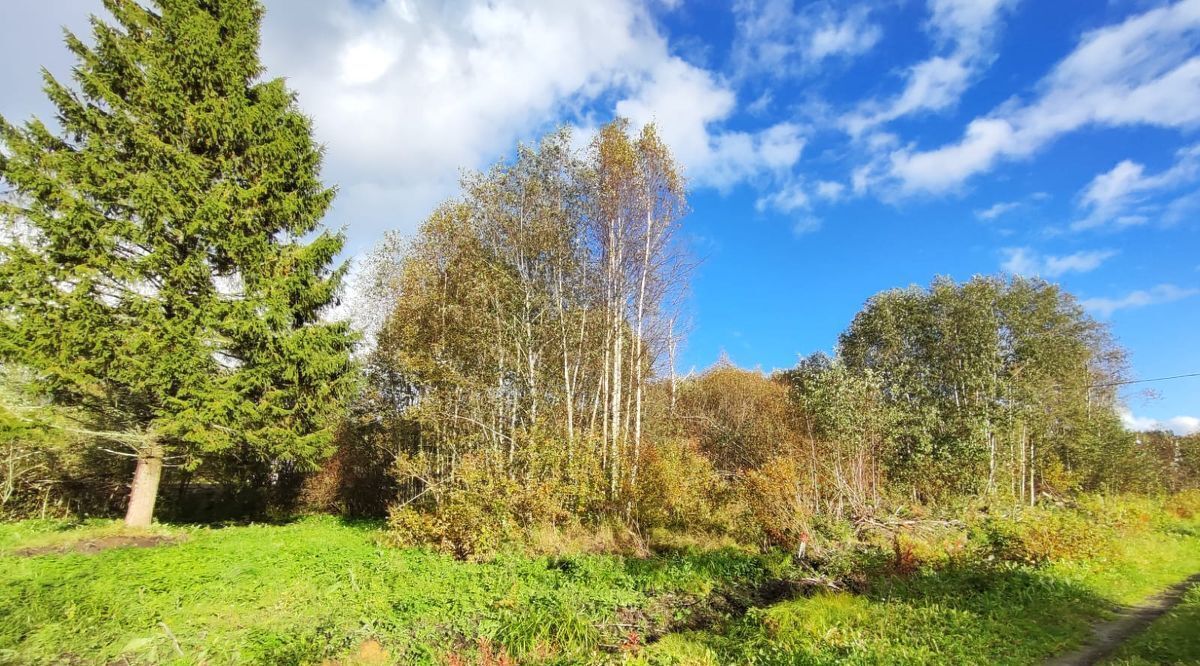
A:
{"x":778,"y":39}
{"x":1163,"y":293}
{"x":964,"y":32}
{"x":997,"y":209}
{"x":687,"y":102}
{"x":1142,"y":71}
{"x":1180,"y":425}
{"x":1025,"y":261}
{"x":1112,"y":197}
{"x":405,"y":95}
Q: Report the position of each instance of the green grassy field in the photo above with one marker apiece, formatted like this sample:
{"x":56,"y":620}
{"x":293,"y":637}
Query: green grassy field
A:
{"x":323,"y":589}
{"x":320,"y":588}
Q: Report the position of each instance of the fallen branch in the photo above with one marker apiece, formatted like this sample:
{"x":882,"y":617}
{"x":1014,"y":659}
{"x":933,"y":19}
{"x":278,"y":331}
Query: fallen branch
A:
{"x":818,"y":582}
{"x":899,"y":524}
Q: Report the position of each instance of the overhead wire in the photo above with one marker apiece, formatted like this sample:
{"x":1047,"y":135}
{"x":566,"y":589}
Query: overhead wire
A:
{"x":1143,"y":381}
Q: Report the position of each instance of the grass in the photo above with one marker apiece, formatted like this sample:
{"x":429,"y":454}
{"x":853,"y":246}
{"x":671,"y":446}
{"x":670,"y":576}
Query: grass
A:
{"x":320,"y":588}
{"x":323,"y":589}
{"x":964,"y":613}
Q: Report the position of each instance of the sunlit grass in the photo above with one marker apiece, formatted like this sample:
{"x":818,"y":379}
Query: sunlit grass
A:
{"x":318,"y":588}
{"x":321,"y":588}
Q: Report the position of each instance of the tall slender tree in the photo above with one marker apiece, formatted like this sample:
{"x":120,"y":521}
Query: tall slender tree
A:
{"x":164,"y":267}
{"x":529,"y":315}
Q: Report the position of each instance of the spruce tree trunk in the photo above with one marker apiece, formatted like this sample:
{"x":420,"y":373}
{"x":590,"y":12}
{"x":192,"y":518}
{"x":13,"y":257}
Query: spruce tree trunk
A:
{"x":144,"y":492}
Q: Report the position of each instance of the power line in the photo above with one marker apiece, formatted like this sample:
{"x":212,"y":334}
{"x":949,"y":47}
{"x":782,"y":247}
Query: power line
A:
{"x":1143,"y":381}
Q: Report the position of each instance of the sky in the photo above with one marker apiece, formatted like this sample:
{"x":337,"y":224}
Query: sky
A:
{"x":833,"y":149}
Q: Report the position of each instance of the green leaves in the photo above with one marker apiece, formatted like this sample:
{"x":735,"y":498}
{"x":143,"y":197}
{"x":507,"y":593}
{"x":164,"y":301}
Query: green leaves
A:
{"x":157,"y":275}
{"x":991,"y":378}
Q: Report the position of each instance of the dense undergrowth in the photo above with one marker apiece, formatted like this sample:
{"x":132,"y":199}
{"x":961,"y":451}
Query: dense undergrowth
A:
{"x":985,"y":588}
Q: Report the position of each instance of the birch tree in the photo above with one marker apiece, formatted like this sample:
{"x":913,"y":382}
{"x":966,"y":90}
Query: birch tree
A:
{"x":532,"y":312}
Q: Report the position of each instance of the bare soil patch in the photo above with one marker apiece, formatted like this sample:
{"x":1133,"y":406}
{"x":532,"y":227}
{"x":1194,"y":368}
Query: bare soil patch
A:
{"x":91,"y":546}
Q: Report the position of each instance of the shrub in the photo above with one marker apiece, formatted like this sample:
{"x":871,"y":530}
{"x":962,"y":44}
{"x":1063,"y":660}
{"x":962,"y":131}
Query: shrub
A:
{"x":679,"y":488}
{"x":1036,"y":536}
{"x":608,"y":537}
{"x":354,"y":481}
{"x":409,"y":527}
{"x":47,"y":469}
{"x":740,"y":418}
{"x":478,"y":510}
{"x":1123,"y":513}
{"x":1185,"y":504}
{"x":775,"y":499}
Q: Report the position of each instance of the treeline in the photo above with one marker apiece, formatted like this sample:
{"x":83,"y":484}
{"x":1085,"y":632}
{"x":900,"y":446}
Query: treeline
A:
{"x":500,"y":387}
{"x":166,"y":344}
{"x":1000,"y":388}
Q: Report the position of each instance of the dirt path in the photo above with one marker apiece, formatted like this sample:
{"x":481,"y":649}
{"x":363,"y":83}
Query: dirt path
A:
{"x":1108,"y":636}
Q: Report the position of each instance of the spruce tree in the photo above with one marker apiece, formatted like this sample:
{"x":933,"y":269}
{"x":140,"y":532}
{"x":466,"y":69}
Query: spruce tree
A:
{"x":163,"y":265}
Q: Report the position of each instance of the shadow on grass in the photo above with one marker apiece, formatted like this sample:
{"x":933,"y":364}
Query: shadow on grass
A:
{"x":357,"y":524}
{"x":1021,"y":608}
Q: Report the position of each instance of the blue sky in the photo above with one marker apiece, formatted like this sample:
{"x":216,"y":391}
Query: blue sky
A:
{"x":835,"y":149}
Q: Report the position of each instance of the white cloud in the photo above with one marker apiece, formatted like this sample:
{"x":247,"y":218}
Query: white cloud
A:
{"x":1163,"y":293}
{"x":1183,"y":207}
{"x":405,"y":95}
{"x":997,"y":210}
{"x":776,"y":39}
{"x":686,"y":102}
{"x":1024,"y":261}
{"x":806,"y":224}
{"x":760,"y":105}
{"x":1184,"y":425}
{"x":1142,"y":71}
{"x":965,"y":31}
{"x":1139,"y":423}
{"x":366,"y":59}
{"x":845,"y":35}
{"x":787,"y":199}
{"x":967,"y":24}
{"x":793,"y":199}
{"x":1111,"y":194}
{"x":830,"y":190}
{"x":943,"y":169}
{"x":1180,"y":425}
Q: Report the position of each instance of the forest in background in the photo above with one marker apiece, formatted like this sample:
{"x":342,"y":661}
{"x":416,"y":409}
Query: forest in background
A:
{"x":166,"y":346}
